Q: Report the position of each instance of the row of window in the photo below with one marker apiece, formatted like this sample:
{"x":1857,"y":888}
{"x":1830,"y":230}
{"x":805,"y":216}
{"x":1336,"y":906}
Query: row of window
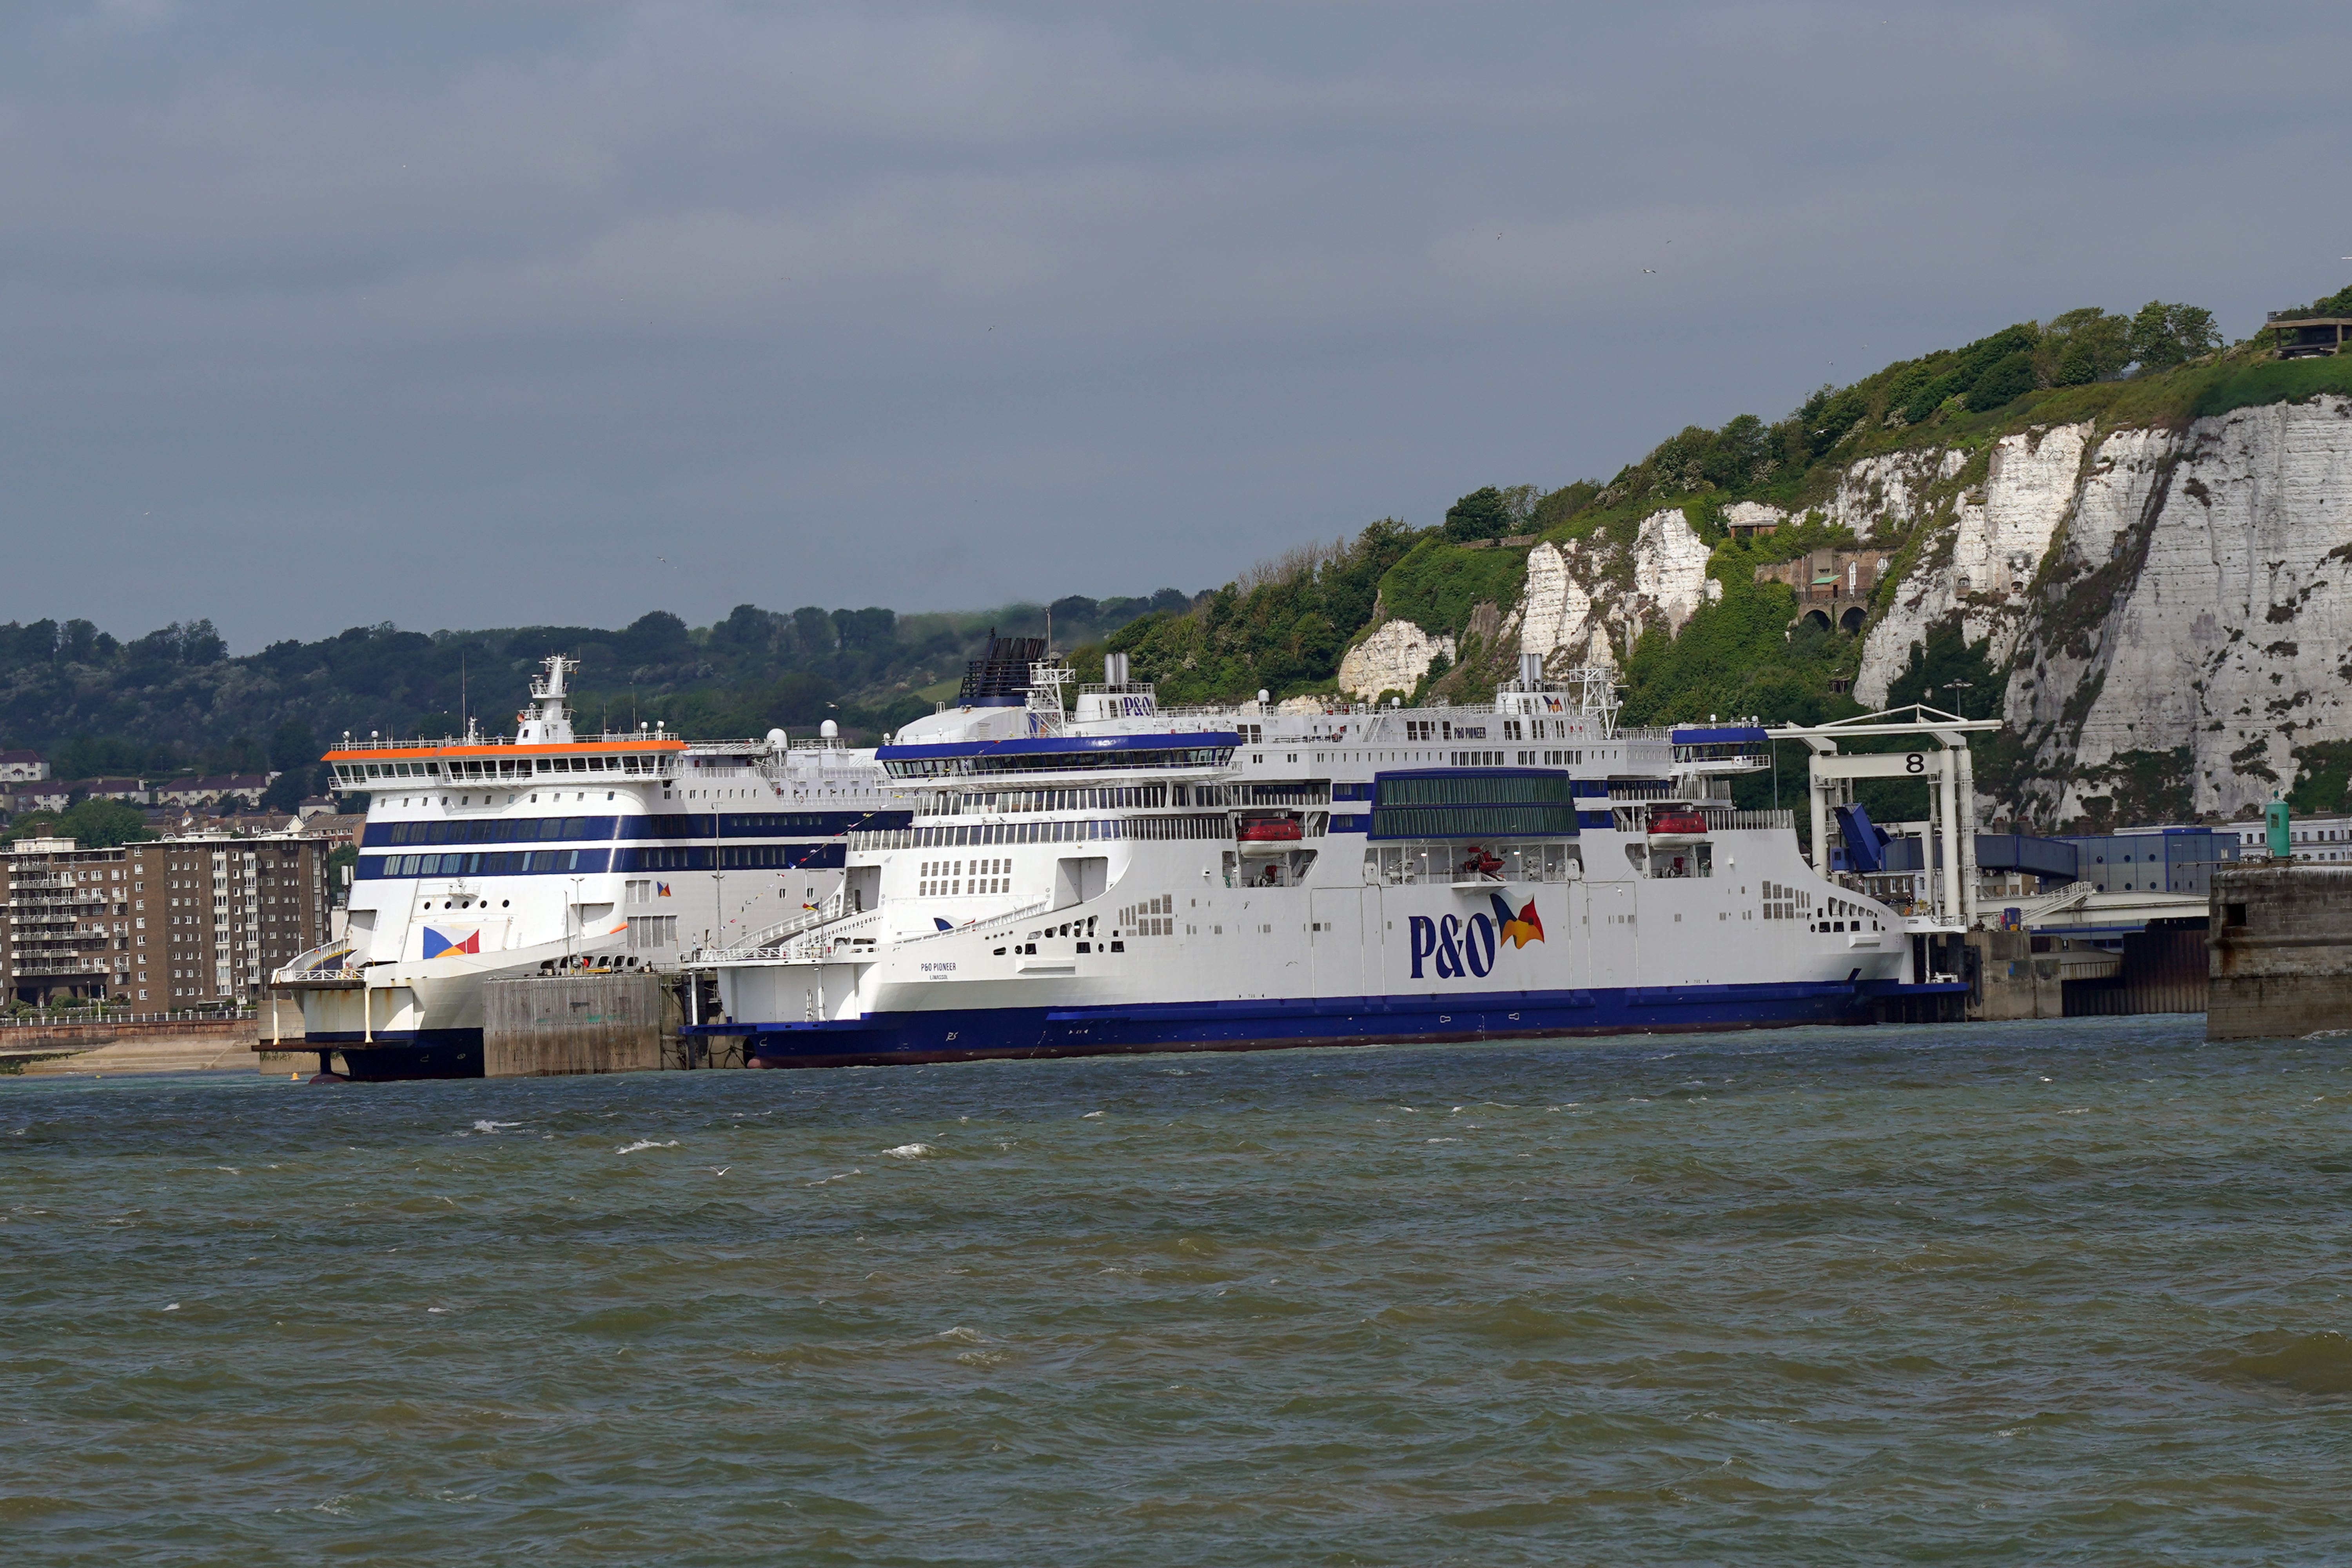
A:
{"x":352,"y":774}
{"x":1212,"y":828}
{"x":598,"y":829}
{"x":946,"y":878}
{"x":647,"y":933}
{"x":1140,"y":797}
{"x":972,"y":765}
{"x":1408,"y":864}
{"x":538,"y":862}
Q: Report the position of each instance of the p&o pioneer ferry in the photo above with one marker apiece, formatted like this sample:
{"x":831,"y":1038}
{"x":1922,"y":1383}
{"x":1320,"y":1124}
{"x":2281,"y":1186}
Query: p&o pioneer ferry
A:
{"x":485,"y":857}
{"x":1126,"y":878}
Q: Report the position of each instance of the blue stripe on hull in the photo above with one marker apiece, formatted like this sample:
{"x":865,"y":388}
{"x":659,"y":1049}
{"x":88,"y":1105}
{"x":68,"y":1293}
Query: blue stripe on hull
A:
{"x":966,"y":1034}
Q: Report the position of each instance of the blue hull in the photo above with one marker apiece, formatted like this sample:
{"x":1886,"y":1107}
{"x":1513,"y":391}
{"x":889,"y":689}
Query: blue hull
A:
{"x":1012,"y":1033}
{"x":396,"y":1056}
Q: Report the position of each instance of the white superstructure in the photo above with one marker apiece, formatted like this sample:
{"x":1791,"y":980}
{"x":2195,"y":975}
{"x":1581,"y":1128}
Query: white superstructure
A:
{"x":1124,"y":877}
{"x":484,"y":857}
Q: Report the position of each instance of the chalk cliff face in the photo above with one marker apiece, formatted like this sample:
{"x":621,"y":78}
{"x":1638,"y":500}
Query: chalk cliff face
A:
{"x":2168,"y":608}
{"x":1394,"y":658}
{"x":2168,"y":605}
{"x":2201,"y":633}
{"x":1980,"y":565}
{"x":1586,"y":600}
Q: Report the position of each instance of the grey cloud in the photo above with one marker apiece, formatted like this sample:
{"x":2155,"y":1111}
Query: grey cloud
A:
{"x":465,"y":315}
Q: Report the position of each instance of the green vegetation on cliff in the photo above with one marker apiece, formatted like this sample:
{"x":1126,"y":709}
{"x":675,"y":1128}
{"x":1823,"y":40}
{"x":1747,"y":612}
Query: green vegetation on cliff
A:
{"x":175,"y":700}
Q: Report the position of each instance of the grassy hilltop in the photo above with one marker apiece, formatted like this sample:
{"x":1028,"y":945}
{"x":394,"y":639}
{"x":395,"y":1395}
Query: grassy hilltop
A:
{"x":1285,"y":627}
{"x":174,"y":701}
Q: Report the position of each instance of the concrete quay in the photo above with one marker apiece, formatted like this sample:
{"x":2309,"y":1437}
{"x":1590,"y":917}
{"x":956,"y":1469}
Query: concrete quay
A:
{"x":102,"y":1046}
{"x":2281,"y":951}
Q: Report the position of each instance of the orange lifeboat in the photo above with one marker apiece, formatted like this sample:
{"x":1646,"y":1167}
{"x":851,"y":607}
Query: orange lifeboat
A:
{"x":1269,"y":830}
{"x":1678,"y":822}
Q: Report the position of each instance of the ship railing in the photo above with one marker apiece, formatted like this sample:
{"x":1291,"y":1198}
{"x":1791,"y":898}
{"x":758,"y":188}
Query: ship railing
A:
{"x":1719,"y":818}
{"x":50,"y":1017}
{"x":834,"y":907}
{"x":1731,"y":819}
{"x":983,"y":926}
{"x":329,"y":960}
{"x":801,"y":945}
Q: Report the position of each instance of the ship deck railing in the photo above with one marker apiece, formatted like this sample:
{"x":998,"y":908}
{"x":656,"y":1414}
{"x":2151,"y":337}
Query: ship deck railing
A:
{"x":814,"y":942}
{"x":804,"y":943}
{"x":1719,"y":818}
{"x":806,"y":920}
{"x":602,"y":738}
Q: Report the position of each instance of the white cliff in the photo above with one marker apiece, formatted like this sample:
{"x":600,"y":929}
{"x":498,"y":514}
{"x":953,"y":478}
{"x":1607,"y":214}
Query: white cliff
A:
{"x":2211,"y":629}
{"x":1394,"y":658}
{"x":2169,"y":607}
{"x":1984,"y":564}
{"x":1879,"y":495}
{"x":1588,"y":598}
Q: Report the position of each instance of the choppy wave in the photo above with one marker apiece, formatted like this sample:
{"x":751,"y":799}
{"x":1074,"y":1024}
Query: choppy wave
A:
{"x":2317,"y":1364}
{"x":1874,"y":1299}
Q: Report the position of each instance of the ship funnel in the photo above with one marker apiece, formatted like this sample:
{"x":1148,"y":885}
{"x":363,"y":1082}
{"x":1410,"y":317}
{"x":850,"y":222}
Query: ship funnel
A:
{"x":1530,"y":670}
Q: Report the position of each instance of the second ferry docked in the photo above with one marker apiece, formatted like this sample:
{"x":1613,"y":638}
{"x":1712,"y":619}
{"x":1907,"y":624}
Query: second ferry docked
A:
{"x":1125,"y":879}
{"x":488,"y":858}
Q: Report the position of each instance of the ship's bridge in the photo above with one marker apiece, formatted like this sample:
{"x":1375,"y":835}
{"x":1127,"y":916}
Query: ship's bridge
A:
{"x":371,"y":764}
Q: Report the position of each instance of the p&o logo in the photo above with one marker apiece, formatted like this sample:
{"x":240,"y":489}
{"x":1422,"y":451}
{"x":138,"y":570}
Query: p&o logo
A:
{"x":1462,"y":947}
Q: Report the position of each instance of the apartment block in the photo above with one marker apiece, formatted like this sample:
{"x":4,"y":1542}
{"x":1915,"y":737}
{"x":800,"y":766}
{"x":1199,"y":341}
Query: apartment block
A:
{"x":171,"y":923}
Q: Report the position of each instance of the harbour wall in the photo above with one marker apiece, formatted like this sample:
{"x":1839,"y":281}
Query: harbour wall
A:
{"x":2281,"y":955}
{"x":546,"y":1025}
{"x":161,"y":1044}
{"x":2029,"y":974}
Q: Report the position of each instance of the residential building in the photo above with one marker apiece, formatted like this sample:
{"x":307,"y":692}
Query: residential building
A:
{"x":214,"y":788}
{"x":2318,"y":839}
{"x":171,"y":923}
{"x":23,"y":767}
{"x":340,"y":827}
{"x":35,"y":797}
{"x":130,"y":792}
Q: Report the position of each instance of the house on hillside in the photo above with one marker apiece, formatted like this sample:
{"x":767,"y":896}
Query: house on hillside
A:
{"x":130,"y":792}
{"x":2302,"y":335}
{"x":35,"y":797}
{"x":23,"y":767}
{"x":1832,"y":587}
{"x":214,"y":788}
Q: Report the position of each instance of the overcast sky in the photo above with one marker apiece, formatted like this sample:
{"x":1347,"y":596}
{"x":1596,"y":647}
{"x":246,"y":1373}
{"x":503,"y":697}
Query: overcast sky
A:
{"x":454,"y":315}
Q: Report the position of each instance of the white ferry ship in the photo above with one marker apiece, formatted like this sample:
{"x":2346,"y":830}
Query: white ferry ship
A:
{"x":1128,"y":879}
{"x":485,"y":857}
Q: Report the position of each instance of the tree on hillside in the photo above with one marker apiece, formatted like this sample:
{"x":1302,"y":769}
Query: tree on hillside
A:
{"x":1949,"y":672}
{"x":1481,"y":514}
{"x":92,"y":824}
{"x":2166,"y":335}
{"x":2084,"y":346}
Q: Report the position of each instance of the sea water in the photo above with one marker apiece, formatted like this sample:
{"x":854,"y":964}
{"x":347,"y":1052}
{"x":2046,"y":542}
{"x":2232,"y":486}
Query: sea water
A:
{"x":2019,"y":1293}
